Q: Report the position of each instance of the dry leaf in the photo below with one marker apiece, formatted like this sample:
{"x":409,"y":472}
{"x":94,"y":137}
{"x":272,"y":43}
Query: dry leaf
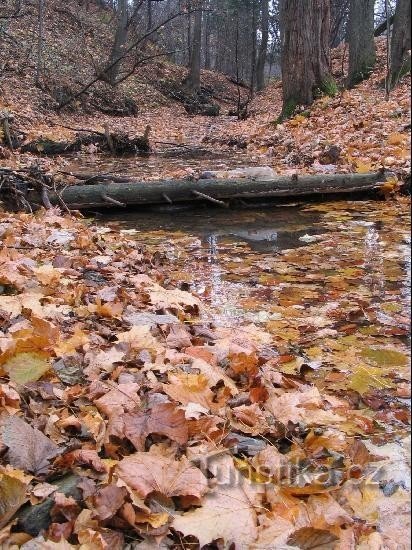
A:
{"x":12,"y":494}
{"x":27,"y":367}
{"x":147,"y":473}
{"x":29,"y":449}
{"x":226,"y":513}
{"x":163,"y":419}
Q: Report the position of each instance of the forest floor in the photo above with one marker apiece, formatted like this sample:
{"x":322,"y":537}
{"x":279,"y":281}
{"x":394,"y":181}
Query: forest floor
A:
{"x":128,"y":419}
{"x":357,"y":131}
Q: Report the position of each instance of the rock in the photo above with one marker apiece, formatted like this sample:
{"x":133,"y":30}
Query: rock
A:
{"x":262,"y":173}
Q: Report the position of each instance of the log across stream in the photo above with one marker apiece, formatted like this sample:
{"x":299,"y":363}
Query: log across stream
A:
{"x":216,"y":191}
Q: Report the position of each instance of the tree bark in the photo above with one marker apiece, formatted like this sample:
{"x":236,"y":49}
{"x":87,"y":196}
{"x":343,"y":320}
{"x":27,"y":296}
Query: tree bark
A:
{"x":305,"y":28}
{"x":40,"y":43}
{"x":362,"y":51}
{"x":119,"y":43}
{"x":253,"y":43}
{"x":401,"y":42}
{"x":192,"y":81}
{"x":263,"y":47}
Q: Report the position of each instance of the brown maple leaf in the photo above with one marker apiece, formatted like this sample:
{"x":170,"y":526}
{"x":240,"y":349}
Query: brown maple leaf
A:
{"x":28,"y":448}
{"x":163,"y":419}
{"x":148,"y":472}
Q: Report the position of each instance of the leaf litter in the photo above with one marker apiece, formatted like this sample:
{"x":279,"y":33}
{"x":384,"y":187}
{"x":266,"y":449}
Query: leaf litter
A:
{"x":184,"y":426}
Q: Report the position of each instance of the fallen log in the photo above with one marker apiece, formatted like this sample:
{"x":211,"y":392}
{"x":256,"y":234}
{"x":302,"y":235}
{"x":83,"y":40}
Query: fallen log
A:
{"x":105,"y":195}
{"x":107,"y":142}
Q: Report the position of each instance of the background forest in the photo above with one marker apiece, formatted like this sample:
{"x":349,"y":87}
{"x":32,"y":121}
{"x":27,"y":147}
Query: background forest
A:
{"x":71,"y":49}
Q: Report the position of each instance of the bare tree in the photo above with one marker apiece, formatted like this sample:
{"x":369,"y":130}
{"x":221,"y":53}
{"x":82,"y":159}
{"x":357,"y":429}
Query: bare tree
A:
{"x":192,"y":82}
{"x":401,"y":42}
{"x":263,"y":47}
{"x":362,"y":51}
{"x":40,"y":42}
{"x":305,"y":28}
{"x":120,"y":41}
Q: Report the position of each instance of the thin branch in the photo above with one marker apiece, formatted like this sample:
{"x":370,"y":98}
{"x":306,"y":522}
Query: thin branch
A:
{"x":133,"y":46}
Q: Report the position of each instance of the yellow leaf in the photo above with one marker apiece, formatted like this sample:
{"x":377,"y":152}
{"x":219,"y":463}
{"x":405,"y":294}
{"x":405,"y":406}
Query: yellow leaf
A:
{"x":363,"y":167}
{"x":12,"y":495}
{"x":66,"y":347}
{"x":27,"y":367}
{"x":298,"y":120}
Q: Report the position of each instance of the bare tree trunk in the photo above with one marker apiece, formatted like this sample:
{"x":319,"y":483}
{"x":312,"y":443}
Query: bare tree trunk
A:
{"x":207,"y":27}
{"x":149,"y":15}
{"x":119,"y":43}
{"x":401,"y":42}
{"x":362,"y":51}
{"x":253,"y":58}
{"x":40,"y":41}
{"x":262,"y":55}
{"x":192,"y":81}
{"x":305,"y":54}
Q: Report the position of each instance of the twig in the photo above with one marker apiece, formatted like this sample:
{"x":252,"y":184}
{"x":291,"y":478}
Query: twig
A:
{"x":209,"y":198}
{"x":167,"y":198}
{"x":110,"y":200}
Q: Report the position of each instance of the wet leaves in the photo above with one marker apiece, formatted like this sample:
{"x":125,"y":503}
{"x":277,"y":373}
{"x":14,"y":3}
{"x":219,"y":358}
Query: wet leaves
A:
{"x":270,"y":414}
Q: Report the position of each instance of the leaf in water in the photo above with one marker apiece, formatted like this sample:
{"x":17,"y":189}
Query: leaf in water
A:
{"x":309,"y":538}
{"x":27,"y":367}
{"x":29,"y":449}
{"x":385,"y":357}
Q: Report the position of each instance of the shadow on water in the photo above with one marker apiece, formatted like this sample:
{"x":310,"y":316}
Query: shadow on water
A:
{"x":263,"y":230}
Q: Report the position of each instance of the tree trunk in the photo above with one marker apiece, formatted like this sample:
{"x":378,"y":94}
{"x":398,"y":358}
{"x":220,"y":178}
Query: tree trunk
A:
{"x":362,"y":51}
{"x":119,"y":43}
{"x":207,"y":27}
{"x":263,"y":47}
{"x":109,"y":195}
{"x":253,"y":50}
{"x":40,"y":43}
{"x":192,"y":81}
{"x":401,"y":42}
{"x":149,"y":15}
{"x":305,"y":28}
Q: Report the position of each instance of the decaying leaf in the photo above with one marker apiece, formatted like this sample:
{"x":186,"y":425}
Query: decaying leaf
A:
{"x":12,"y":493}
{"x":227,"y":512}
{"x":27,"y":367}
{"x":28,"y":448}
{"x":147,"y":473}
{"x":163,"y":419}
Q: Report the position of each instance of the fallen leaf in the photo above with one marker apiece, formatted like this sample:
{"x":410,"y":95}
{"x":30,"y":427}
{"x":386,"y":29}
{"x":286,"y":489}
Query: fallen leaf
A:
{"x":27,"y":367}
{"x":107,"y":501}
{"x":163,"y":419}
{"x":147,"y":473}
{"x":309,"y":538}
{"x":227,"y":512}
{"x":190,"y":388}
{"x":12,"y":494}
{"x":28,"y":448}
{"x":119,"y":398}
